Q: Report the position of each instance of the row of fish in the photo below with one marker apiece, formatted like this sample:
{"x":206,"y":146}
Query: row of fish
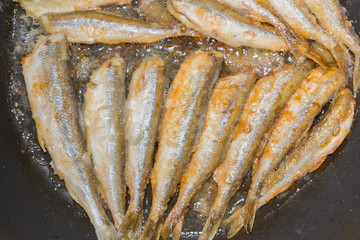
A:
{"x":310,"y":152}
{"x":204,"y":126}
{"x":268,"y":24}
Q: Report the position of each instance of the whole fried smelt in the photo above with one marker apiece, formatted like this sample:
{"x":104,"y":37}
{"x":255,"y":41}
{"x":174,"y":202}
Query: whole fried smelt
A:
{"x":185,"y":107}
{"x":323,"y":140}
{"x":104,"y":121}
{"x":225,"y":107}
{"x":293,"y":123}
{"x":106,"y":27}
{"x":297,"y":44}
{"x":332,"y":17}
{"x":55,"y":110}
{"x":144,"y":108}
{"x":269,"y":96}
{"x":221,"y":22}
{"x":36,"y":8}
{"x":290,"y":13}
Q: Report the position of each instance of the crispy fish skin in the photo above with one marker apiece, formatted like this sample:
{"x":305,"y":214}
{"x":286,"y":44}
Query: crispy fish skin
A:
{"x":55,"y":111}
{"x":185,"y":106}
{"x":36,"y":8}
{"x":293,"y":123}
{"x":105,"y":27}
{"x":290,"y":13}
{"x":268,"y":96}
{"x":224,"y":110}
{"x":253,"y":10}
{"x":324,"y":138}
{"x":332,"y":17}
{"x":221,"y":22}
{"x":144,"y":108}
{"x":104,"y":123}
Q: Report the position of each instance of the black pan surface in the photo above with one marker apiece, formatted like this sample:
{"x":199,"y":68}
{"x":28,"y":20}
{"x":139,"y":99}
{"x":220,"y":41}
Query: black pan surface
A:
{"x":327,"y":207}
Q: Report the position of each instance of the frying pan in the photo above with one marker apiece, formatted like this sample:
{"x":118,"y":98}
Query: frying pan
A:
{"x":327,"y":207}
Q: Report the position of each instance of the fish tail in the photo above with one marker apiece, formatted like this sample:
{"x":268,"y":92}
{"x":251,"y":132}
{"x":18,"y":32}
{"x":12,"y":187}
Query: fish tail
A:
{"x":299,"y":46}
{"x":347,"y":54}
{"x":178,"y":228}
{"x":152,"y":227}
{"x":251,"y":206}
{"x":132,"y":224}
{"x":342,"y":57}
{"x":316,"y":58}
{"x":356,"y":76}
{"x":105,"y":232}
{"x":233,"y":218}
{"x":291,"y":39}
{"x":212,"y":224}
{"x":215,"y":217}
{"x":234,"y":229}
{"x":324,"y":53}
{"x":235,"y":222}
{"x":173,"y":223}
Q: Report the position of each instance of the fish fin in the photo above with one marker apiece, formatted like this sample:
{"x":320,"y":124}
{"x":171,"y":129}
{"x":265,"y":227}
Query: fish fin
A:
{"x":152,"y":228}
{"x":157,"y":232}
{"x":316,"y":58}
{"x":105,"y":232}
{"x":347,"y":54}
{"x":178,"y":228}
{"x":299,"y":46}
{"x":218,"y":208}
{"x":342,"y":57}
{"x":41,"y":140}
{"x":81,"y":108}
{"x":39,"y":135}
{"x":45,"y":23}
{"x":173,"y":224}
{"x":235,"y":222}
{"x":324,"y":53}
{"x":356,"y":76}
{"x":252,"y":205}
{"x":212,"y":224}
{"x":216,"y":214}
{"x":235,"y":228}
{"x":131,"y":224}
{"x":318,"y":164}
{"x":122,"y":237}
{"x":251,"y":208}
